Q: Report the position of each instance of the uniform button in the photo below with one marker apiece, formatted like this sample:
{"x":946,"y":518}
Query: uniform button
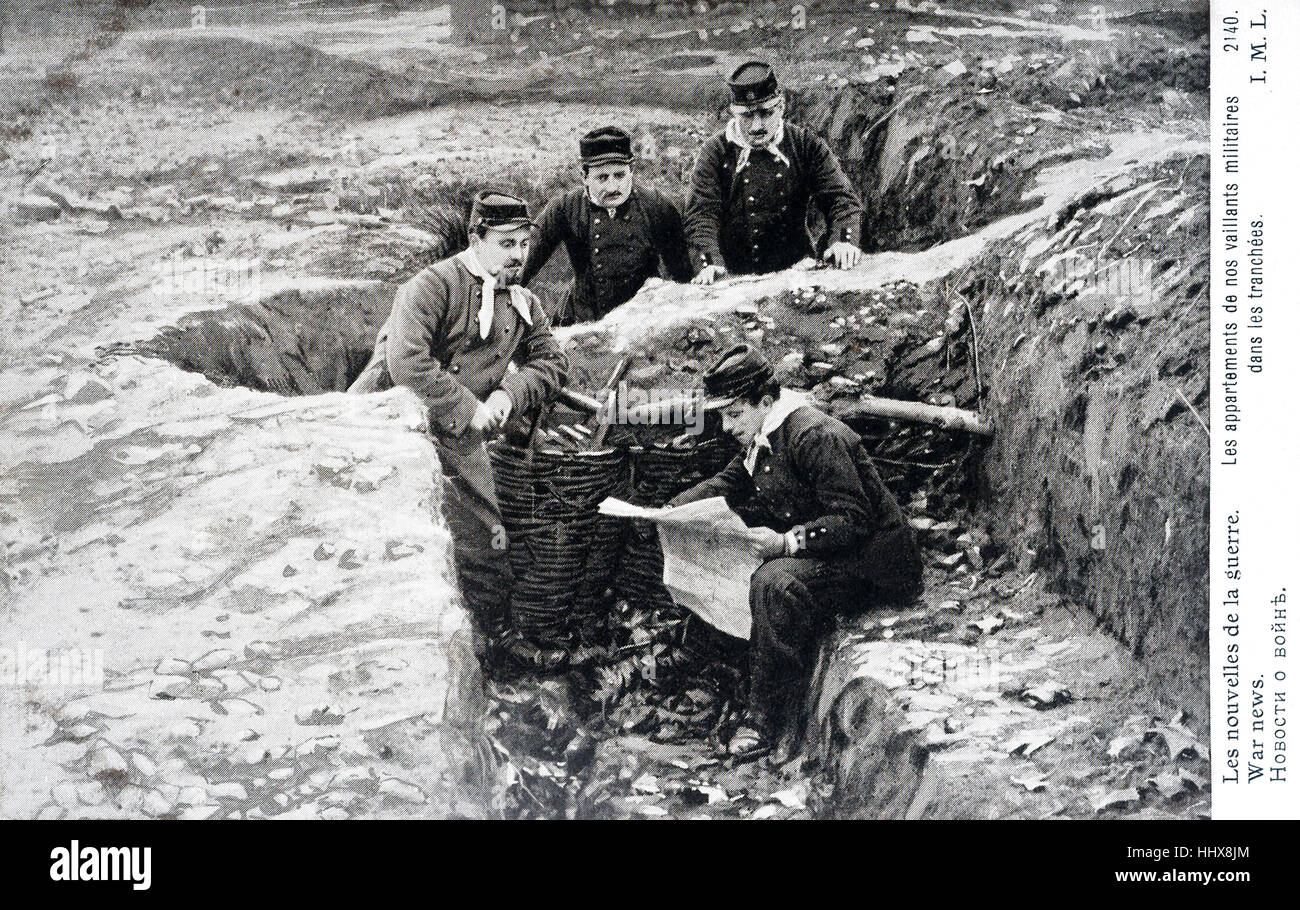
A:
{"x":595,"y":251}
{"x":751,"y":198}
{"x":767,"y":467}
{"x":455,"y":367}
{"x":597,"y":236}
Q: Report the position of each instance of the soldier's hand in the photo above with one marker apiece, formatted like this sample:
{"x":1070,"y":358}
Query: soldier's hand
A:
{"x":500,"y":405}
{"x":765,"y":543}
{"x":843,"y":255}
{"x":709,"y":274}
{"x":484,"y":419}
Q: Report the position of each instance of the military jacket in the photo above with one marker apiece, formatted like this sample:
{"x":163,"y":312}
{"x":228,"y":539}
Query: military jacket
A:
{"x":755,"y":220}
{"x":430,"y":343}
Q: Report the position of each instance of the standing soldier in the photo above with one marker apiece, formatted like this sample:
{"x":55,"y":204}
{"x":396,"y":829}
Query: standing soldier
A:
{"x":617,"y":234}
{"x":453,"y":330}
{"x":747,"y":211}
{"x":831,"y":536}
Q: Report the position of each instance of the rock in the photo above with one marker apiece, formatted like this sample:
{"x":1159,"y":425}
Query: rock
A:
{"x":83,"y":388}
{"x":155,"y":804}
{"x":229,"y":790}
{"x":106,"y":762}
{"x":1116,"y":799}
{"x":143,"y":764}
{"x":198,"y":813}
{"x":215,"y":660}
{"x":172,"y":666}
{"x":193,"y":796}
{"x":91,"y":794}
{"x":207,"y":688}
{"x":401,"y":790}
{"x":172,"y":687}
{"x":65,"y":794}
{"x":131,"y":798}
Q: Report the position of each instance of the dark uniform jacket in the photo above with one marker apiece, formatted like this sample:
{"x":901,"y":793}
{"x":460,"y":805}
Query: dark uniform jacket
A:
{"x":755,"y":221}
{"x":611,"y":256}
{"x":431,"y":344}
{"x":818,"y":480}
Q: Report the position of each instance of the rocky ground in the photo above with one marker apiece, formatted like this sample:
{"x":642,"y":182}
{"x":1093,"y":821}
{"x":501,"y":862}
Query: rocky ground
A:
{"x":256,"y":567}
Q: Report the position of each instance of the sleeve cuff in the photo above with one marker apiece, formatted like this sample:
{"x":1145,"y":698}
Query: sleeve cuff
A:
{"x":456,"y":420}
{"x":795,"y":540}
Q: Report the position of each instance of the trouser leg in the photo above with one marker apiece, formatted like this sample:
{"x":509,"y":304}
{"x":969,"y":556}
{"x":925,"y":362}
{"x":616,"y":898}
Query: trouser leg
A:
{"x":793,"y":601}
{"x":478,"y":533}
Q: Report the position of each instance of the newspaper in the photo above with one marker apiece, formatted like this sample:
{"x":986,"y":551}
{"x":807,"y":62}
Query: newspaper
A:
{"x":707,"y":561}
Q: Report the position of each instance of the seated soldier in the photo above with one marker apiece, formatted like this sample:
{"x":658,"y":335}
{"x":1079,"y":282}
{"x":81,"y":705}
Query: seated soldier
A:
{"x":831,"y":536}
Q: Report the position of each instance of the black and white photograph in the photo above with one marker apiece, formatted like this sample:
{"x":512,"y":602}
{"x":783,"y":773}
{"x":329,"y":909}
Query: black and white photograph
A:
{"x":644,"y":410}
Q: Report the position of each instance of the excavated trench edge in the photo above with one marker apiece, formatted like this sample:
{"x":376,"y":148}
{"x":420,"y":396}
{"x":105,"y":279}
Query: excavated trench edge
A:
{"x":195,"y":336}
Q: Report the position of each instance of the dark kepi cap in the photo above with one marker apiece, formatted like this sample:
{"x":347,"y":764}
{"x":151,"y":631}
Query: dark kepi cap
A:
{"x":498,"y":210}
{"x":752,"y":83}
{"x":739,"y":371}
{"x":606,"y":145}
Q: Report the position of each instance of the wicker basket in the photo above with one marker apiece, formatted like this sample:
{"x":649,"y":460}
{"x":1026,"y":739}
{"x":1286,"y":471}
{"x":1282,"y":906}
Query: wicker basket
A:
{"x":563,"y":553}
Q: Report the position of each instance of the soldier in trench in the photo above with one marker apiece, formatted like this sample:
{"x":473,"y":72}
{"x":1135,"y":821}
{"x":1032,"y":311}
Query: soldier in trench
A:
{"x":747,"y":211}
{"x":453,"y":331}
{"x":617,"y":233}
{"x":832,"y":538}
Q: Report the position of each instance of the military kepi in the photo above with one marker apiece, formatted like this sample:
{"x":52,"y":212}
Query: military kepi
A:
{"x":499,"y":210}
{"x":752,"y":83}
{"x":741,"y":370}
{"x":606,"y":145}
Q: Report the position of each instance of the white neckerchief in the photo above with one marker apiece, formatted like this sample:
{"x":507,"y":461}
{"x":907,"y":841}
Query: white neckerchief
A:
{"x":736,"y":137}
{"x":612,"y":212}
{"x":518,"y":296}
{"x":785,"y":405}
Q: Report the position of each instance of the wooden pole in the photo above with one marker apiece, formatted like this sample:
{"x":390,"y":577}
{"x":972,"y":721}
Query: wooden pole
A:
{"x":919,"y":412}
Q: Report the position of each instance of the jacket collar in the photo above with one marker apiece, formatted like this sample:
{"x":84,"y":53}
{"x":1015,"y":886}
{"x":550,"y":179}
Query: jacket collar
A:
{"x":737,"y":138}
{"x":789,"y":402}
{"x":518,"y":296}
{"x":627,"y":203}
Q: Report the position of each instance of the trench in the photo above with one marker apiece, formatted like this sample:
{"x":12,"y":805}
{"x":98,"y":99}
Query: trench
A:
{"x":650,"y":672}
{"x":644,"y":670}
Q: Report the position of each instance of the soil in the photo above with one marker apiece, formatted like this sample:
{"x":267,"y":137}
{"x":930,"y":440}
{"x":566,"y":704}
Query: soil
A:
{"x":298,"y":169}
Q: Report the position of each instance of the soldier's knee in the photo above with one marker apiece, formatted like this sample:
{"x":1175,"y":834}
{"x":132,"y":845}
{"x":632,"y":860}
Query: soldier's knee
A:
{"x":770,"y":583}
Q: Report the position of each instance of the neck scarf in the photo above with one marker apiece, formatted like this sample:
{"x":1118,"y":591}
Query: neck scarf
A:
{"x":736,"y":137}
{"x":518,"y":296}
{"x":788,"y":402}
{"x":612,"y":212}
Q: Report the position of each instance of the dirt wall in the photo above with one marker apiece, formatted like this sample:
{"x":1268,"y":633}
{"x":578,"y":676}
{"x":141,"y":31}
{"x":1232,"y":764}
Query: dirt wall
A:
{"x":1096,"y":330}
